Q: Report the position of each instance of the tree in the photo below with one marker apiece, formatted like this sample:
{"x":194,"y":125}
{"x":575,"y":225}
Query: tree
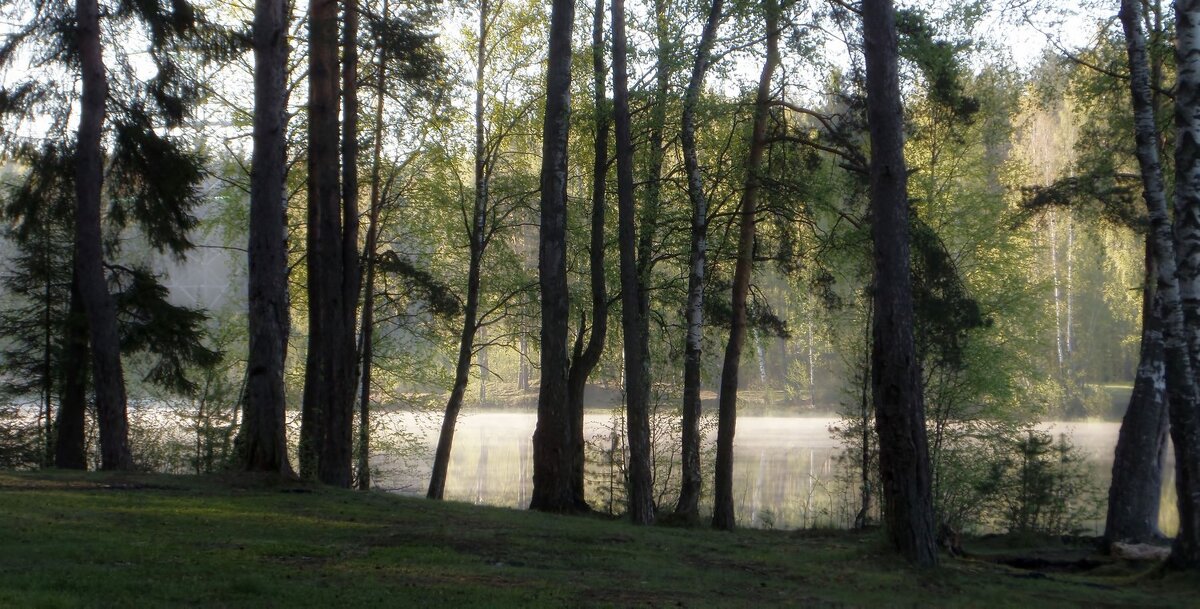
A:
{"x":723,"y":512}
{"x":688,"y":506}
{"x":552,"y":488}
{"x":585,"y":358}
{"x":333,"y":275}
{"x":262,"y":439}
{"x":637,"y":365}
{"x":896,"y":379}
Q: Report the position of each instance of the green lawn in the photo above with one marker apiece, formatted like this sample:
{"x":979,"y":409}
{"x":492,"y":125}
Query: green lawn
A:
{"x":104,"y":540}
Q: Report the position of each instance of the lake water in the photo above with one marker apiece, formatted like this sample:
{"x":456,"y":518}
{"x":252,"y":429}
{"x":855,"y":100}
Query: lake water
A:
{"x":787,"y":474}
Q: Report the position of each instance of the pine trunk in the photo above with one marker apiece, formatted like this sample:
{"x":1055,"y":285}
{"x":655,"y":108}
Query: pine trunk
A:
{"x":108,"y":378}
{"x":637,"y":389}
{"x":552,"y":451}
{"x":262,"y":441}
{"x":723,"y":510}
{"x":895,"y":371}
{"x":688,"y":507}
{"x":70,"y":445}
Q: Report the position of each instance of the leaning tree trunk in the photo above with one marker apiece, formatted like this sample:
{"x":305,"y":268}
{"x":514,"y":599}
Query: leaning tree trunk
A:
{"x":586,"y":358}
{"x":688,"y":507}
{"x":108,"y":378}
{"x":895,"y":370}
{"x":552,"y":443}
{"x":262,"y":441}
{"x":71,"y":422}
{"x":723,"y":510}
{"x":466,"y":341}
{"x":1133,"y":496}
{"x":637,"y":389}
{"x":1181,"y":385}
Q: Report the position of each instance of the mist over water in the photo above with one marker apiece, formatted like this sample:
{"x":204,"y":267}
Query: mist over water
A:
{"x":789,"y":472}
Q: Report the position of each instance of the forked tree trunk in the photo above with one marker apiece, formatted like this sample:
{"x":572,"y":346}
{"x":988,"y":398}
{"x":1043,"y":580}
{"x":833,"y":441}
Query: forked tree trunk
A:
{"x":552,"y":444}
{"x":1133,"y":496}
{"x":1181,"y":386}
{"x":723,"y":510}
{"x":637,"y":389}
{"x":895,"y":370}
{"x":108,"y":379}
{"x":691,"y":479}
{"x":586,"y":358}
{"x":262,"y":441}
{"x":466,"y":341}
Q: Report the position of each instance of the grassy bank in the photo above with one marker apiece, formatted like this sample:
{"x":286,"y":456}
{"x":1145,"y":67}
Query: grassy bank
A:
{"x":102,"y":540}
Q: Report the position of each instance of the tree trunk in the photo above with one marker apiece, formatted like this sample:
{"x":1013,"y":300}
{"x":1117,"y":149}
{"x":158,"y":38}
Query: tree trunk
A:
{"x":466,"y":344}
{"x":552,"y":445}
{"x":587,"y":358}
{"x":1181,"y":387}
{"x":637,"y":389}
{"x":108,"y":379}
{"x":1133,"y":496}
{"x":326,"y":429}
{"x":723,"y":510}
{"x":688,"y":507}
{"x":262,"y":442}
{"x":895,"y":371}
{"x":70,"y":448}
{"x":366,"y":345}
{"x":1185,"y":414}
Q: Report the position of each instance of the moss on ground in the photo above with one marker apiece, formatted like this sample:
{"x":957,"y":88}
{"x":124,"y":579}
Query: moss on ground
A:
{"x":119,"y":540}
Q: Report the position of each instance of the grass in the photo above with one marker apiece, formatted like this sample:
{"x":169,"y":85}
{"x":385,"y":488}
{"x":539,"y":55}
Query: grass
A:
{"x":121,"y":540}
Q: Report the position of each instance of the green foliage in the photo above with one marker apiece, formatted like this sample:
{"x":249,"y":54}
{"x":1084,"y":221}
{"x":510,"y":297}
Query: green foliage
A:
{"x":1041,"y":484}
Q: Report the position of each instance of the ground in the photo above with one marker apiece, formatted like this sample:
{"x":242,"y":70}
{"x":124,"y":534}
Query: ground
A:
{"x":124,"y":540}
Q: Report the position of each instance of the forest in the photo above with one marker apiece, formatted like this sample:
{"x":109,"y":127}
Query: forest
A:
{"x":929,"y":272}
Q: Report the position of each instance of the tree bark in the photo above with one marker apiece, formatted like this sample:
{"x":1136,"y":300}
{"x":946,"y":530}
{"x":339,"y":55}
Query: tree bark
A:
{"x":108,"y":378}
{"x":552,"y":490}
{"x":691,"y":479}
{"x":895,"y":374}
{"x":723,"y":510}
{"x":70,"y":451}
{"x":1181,"y":385}
{"x":466,"y":344}
{"x":586,"y":358}
{"x":262,"y":440}
{"x":637,"y":389}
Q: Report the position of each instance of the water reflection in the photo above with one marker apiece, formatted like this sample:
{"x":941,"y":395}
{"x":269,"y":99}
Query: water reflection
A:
{"x":787,"y":471}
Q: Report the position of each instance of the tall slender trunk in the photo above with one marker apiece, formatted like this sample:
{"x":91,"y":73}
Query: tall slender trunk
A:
{"x":895,"y":371}
{"x":1058,"y":326}
{"x":108,"y":378}
{"x":366,"y":345}
{"x":71,"y":422}
{"x":262,"y":441}
{"x":466,"y":343}
{"x":723,"y":510}
{"x":552,"y":450}
{"x":1133,"y":496}
{"x":691,"y":480}
{"x":1181,"y":385}
{"x":586,"y":358}
{"x":637,"y":389}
